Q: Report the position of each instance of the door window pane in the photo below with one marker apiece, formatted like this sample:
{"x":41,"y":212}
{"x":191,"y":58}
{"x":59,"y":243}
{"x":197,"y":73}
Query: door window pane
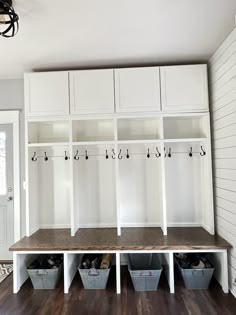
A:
{"x":3,"y":184}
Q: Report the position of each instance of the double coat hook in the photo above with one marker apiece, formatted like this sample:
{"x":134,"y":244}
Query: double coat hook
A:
{"x":191,"y":152}
{"x":45,"y":156}
{"x":76,"y":157}
{"x":202,"y":153}
{"x":34,"y":158}
{"x":158,"y":154}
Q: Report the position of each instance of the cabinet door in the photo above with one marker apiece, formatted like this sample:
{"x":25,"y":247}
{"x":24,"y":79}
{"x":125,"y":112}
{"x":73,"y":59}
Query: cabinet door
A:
{"x":184,"y":88}
{"x":92,"y":91}
{"x":137,"y":89}
{"x":46,"y":94}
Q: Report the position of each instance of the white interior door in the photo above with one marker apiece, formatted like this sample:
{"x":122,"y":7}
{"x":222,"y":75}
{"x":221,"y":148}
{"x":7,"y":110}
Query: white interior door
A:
{"x":6,"y":191}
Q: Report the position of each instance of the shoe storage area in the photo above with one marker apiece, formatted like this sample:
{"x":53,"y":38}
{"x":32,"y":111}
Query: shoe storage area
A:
{"x":143,"y":269}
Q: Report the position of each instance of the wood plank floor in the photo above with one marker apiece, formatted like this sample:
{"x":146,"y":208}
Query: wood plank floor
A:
{"x":106,"y":302}
{"x":131,"y":239}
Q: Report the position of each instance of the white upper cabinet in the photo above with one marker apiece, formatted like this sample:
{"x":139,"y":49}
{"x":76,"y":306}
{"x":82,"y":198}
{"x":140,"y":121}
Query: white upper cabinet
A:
{"x":137,"y":89}
{"x":92,"y":91}
{"x":46,"y":94}
{"x":184,"y":88}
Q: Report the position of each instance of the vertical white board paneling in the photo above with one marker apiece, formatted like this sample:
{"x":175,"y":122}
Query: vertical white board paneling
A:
{"x":222,"y":68}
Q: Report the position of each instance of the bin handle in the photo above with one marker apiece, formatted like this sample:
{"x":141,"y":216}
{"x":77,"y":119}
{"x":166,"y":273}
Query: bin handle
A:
{"x":145,"y":273}
{"x":93,"y":272}
{"x":196,"y":272}
{"x":42,"y":272}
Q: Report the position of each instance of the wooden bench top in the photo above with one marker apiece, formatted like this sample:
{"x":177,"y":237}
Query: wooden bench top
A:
{"x":131,"y":239}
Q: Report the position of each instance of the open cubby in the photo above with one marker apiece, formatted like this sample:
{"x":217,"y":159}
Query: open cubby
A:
{"x":185,"y":127}
{"x":188,"y":192}
{"x":48,"y":132}
{"x":49,"y":188}
{"x":138,"y":174}
{"x":93,"y":130}
{"x":94,"y":187}
{"x":139,"y":129}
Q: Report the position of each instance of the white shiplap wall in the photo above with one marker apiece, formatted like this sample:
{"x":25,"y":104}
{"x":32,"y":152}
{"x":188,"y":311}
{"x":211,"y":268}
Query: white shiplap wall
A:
{"x":222,"y":81}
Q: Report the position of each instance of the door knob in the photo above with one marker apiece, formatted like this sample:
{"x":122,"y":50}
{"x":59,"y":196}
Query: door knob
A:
{"x":10,"y":198}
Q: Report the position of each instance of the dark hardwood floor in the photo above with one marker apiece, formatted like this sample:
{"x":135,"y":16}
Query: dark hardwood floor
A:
{"x":84,"y":302}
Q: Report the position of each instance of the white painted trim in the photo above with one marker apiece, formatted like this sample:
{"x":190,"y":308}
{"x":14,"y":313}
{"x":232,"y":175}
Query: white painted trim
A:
{"x":185,"y":140}
{"x":32,"y":231}
{"x":12,"y":117}
{"x":184,"y":224}
{"x":233,"y":293}
{"x":172,"y":273}
{"x":51,"y":144}
{"x":144,"y":224}
{"x":97,"y":225}
{"x":137,"y":251}
{"x":117,"y":116}
{"x":118,"y":275}
{"x":54,"y":226}
{"x":224,"y":277}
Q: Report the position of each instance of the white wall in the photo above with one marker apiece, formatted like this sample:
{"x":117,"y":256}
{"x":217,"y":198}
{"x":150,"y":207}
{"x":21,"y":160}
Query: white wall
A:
{"x":12,"y":97}
{"x":222,"y":66}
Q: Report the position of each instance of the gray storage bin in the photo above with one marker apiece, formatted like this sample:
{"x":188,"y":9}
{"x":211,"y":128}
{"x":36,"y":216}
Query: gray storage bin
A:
{"x":145,"y":271}
{"x":196,"y":278}
{"x":94,"y":278}
{"x":45,"y":278}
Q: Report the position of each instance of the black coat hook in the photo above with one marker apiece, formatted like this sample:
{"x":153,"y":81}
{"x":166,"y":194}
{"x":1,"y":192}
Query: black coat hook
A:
{"x":34,"y":158}
{"x":107,"y":157}
{"x":148,"y":154}
{"x":86,"y":155}
{"x":127,"y":154}
{"x":169,"y":154}
{"x":191,"y":152}
{"x":158,"y":154}
{"x":76,"y":157}
{"x":113,"y":154}
{"x":164,"y":151}
{"x":119,"y":155}
{"x":45,"y":156}
{"x":203,"y":152}
{"x":66,"y":156}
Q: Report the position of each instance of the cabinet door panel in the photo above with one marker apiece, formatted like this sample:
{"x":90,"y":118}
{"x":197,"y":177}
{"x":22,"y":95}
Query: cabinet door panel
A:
{"x":92,"y":91}
{"x":137,"y":89}
{"x":184,"y":88}
{"x":46,"y":94}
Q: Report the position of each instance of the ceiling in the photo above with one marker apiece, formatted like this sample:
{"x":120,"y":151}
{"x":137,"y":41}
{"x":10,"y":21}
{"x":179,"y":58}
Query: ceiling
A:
{"x":81,"y":34}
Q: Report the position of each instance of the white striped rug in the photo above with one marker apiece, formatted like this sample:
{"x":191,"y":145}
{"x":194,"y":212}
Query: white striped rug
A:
{"x":5,"y":271}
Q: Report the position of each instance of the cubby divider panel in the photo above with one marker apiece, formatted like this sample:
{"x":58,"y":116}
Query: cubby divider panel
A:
{"x":186,"y":183}
{"x":94,"y":186}
{"x":140,"y":185}
{"x":49,"y":187}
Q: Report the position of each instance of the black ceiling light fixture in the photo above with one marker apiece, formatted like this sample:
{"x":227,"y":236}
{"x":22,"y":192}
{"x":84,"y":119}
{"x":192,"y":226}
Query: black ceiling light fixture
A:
{"x":9,"y":20}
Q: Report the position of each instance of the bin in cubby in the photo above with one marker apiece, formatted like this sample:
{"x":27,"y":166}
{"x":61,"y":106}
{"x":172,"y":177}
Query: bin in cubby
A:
{"x":94,"y":278}
{"x":44,"y":278}
{"x":196,"y":278}
{"x":145,"y":271}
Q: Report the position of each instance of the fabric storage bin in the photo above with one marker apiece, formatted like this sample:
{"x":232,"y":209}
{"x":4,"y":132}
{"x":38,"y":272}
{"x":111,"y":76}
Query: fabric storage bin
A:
{"x":45,"y":278}
{"x":145,"y":271}
{"x":94,"y":278}
{"x":196,"y":278}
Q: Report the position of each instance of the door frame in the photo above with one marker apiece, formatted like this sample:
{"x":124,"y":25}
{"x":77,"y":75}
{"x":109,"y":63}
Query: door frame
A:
{"x":12,"y":117}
